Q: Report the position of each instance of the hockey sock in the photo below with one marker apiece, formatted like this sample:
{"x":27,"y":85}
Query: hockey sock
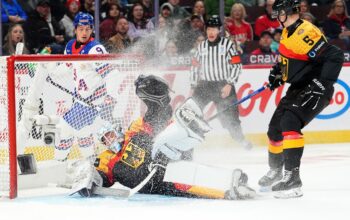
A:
{"x":293,"y":147}
{"x":275,"y":154}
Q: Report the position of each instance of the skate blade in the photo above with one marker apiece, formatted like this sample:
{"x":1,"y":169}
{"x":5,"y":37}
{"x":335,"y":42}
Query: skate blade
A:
{"x":287,"y":194}
{"x":265,"y":189}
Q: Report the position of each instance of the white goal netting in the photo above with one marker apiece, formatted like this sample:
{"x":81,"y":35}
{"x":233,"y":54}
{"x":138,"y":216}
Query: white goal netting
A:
{"x":62,"y":102}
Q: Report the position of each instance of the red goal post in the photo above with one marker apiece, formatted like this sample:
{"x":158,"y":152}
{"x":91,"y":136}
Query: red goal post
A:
{"x":17,"y":73}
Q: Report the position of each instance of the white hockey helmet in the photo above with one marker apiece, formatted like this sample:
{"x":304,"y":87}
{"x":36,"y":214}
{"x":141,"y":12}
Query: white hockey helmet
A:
{"x":114,"y":136}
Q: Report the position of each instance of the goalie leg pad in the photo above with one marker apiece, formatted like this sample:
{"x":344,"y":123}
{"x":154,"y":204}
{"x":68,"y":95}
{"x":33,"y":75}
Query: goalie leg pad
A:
{"x":85,"y":178}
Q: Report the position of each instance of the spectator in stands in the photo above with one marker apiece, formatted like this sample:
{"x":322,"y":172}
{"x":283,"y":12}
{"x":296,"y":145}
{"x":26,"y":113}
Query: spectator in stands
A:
{"x":264,"y":44}
{"x":43,"y":30}
{"x":88,"y":6}
{"x":170,"y":49}
{"x":276,"y":40}
{"x":179,"y":13}
{"x":107,"y":26}
{"x":304,"y":6}
{"x":147,"y":8}
{"x":139,"y":26}
{"x":199,"y":9}
{"x":337,"y":25}
{"x":199,"y":38}
{"x":166,"y":11}
{"x":212,"y":7}
{"x":265,"y":22}
{"x":15,"y":35}
{"x":105,"y":6}
{"x":170,"y":53}
{"x":240,"y":30}
{"x":121,"y":40}
{"x":59,"y":6}
{"x":309,"y":17}
{"x":164,"y":33}
{"x":11,"y":13}
{"x":187,"y":30}
{"x":66,"y":23}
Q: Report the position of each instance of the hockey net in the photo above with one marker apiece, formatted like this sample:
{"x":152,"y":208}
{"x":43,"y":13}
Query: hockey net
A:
{"x":60,"y":102}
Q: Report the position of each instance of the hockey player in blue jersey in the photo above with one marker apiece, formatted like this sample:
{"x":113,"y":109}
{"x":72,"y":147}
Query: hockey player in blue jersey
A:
{"x":90,"y":107}
{"x":84,"y":43}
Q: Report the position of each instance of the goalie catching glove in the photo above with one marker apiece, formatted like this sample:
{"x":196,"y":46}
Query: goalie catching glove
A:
{"x":184,"y":133}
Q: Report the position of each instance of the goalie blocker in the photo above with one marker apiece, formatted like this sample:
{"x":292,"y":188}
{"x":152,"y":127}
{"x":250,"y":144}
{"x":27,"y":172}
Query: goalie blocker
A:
{"x":138,"y":159}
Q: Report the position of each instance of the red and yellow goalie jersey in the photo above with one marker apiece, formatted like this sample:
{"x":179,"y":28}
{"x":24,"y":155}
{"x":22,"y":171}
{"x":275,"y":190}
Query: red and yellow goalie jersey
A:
{"x":306,"y":54}
{"x":121,"y":166}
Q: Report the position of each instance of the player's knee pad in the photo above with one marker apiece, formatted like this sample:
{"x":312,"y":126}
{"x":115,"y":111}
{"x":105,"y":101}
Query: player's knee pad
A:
{"x":290,"y":122}
{"x":274,"y":134}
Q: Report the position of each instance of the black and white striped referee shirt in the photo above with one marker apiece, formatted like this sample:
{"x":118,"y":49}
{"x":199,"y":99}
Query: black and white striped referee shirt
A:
{"x":216,"y":61}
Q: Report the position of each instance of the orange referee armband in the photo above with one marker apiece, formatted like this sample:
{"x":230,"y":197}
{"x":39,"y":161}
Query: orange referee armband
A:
{"x":235,"y":59}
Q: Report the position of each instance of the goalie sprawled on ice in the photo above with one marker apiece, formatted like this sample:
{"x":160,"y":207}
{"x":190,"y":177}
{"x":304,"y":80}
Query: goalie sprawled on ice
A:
{"x":158,"y":142}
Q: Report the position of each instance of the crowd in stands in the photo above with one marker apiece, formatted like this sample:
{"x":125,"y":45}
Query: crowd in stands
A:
{"x":130,"y":25}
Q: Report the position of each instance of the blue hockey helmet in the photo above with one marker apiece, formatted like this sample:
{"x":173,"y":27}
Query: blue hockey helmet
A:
{"x":83,"y":19}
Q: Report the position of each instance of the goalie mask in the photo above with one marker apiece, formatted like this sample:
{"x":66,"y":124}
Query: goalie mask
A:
{"x":152,"y":90}
{"x":285,"y":8}
{"x":110,"y":137}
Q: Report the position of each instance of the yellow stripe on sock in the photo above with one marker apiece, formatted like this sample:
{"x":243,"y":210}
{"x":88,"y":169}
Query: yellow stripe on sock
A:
{"x":275,"y":149}
{"x":293,"y":143}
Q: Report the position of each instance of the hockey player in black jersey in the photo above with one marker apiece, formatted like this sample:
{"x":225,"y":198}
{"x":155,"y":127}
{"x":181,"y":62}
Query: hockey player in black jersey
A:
{"x":311,"y":65}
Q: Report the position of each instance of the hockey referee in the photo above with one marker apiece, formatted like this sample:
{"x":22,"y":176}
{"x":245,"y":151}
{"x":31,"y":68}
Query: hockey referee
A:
{"x":216,"y":66}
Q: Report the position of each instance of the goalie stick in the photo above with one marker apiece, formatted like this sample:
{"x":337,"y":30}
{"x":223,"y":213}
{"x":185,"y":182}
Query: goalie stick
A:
{"x":238,"y":102}
{"x":120,"y":193}
{"x":123,"y":193}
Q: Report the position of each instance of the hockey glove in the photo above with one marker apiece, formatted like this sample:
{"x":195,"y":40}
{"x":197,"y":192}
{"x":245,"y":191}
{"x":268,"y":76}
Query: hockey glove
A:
{"x":314,"y":91}
{"x":275,"y":78}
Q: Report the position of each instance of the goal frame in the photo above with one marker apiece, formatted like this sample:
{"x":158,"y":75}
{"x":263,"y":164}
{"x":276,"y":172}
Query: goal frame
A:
{"x":12,"y":120}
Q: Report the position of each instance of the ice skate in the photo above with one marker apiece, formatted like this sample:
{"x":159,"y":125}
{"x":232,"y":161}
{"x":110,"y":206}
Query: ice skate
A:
{"x":272,"y":176}
{"x":289,"y":186}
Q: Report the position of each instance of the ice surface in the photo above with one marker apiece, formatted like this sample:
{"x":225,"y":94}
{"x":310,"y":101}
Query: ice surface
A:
{"x":325,"y":173}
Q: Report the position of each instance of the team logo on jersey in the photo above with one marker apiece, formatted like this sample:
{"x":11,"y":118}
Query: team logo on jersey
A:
{"x":221,"y":50}
{"x":301,"y":31}
{"x":133,"y":156}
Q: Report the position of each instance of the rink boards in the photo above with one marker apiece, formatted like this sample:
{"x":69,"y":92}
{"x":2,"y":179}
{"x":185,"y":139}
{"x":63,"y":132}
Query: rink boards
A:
{"x":332,"y":125}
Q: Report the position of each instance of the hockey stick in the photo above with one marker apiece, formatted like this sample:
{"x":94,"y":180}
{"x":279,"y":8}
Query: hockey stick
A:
{"x":123,"y":193}
{"x":120,"y":193}
{"x":238,"y":102}
{"x":62,"y":88}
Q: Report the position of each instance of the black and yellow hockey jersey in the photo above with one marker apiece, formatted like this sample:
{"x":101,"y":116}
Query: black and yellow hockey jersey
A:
{"x":305,"y":54}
